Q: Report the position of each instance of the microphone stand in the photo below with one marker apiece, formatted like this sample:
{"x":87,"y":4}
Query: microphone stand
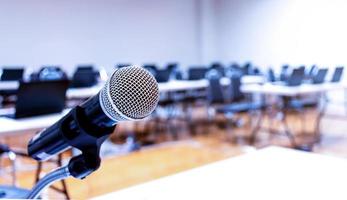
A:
{"x":88,"y":141}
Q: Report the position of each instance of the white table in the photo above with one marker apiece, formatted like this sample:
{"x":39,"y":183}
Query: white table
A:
{"x":9,"y":85}
{"x":10,"y":126}
{"x":283,"y":90}
{"x":272,"y":173}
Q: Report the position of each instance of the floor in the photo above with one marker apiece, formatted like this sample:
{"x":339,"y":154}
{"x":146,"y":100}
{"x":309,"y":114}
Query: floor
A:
{"x":168,"y":155}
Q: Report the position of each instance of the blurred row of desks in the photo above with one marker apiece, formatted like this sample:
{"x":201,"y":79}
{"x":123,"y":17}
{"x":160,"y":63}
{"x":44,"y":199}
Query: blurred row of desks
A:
{"x":171,"y":86}
{"x":33,"y":124}
{"x":251,"y":84}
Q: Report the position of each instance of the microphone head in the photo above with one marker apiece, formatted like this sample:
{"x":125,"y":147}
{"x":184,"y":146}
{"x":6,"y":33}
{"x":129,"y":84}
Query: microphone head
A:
{"x":131,"y":93}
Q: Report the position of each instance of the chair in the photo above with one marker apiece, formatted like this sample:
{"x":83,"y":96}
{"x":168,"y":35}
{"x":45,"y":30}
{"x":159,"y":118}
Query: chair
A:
{"x":197,"y":73}
{"x":216,"y":96}
{"x":175,"y":72}
{"x":311,"y":72}
{"x":11,"y":191}
{"x":49,"y":73}
{"x":247,"y":69}
{"x":84,"y":76}
{"x":284,"y":72}
{"x":271,"y":75}
{"x":337,"y":74}
{"x":152,"y":68}
{"x":219,"y":67}
{"x":121,"y":65}
{"x":12,"y":74}
{"x":296,"y":77}
{"x":162,"y":75}
{"x":320,"y":76}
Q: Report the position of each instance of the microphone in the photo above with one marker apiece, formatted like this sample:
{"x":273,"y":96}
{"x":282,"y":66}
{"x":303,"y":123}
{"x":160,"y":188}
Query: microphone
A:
{"x":131,"y":93}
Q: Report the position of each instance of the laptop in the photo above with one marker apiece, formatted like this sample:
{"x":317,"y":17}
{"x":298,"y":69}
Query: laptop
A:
{"x":295,"y":79}
{"x":39,"y":98}
{"x":337,"y":74}
{"x":320,"y":76}
{"x":12,"y":74}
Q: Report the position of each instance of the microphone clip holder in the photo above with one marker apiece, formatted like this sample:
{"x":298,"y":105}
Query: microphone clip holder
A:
{"x":92,"y":136}
{"x":81,"y":165}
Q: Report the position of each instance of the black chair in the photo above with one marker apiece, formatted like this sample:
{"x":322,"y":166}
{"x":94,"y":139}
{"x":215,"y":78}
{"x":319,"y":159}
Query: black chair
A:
{"x":175,"y":72}
{"x":337,"y":74}
{"x":162,"y":75}
{"x":247,"y":69}
{"x":320,"y":76}
{"x":49,"y":73}
{"x":121,"y":65}
{"x":152,"y":68}
{"x":197,"y":73}
{"x":219,"y":67}
{"x":271,"y":75}
{"x":284,"y":73}
{"x":216,"y":96}
{"x":311,"y":72}
{"x":84,"y":76}
{"x":296,"y":78}
{"x":214,"y":90}
{"x":12,"y":74}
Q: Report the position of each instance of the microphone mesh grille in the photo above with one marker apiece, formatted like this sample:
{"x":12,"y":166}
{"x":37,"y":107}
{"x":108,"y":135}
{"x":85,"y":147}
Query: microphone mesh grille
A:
{"x":133,"y":93}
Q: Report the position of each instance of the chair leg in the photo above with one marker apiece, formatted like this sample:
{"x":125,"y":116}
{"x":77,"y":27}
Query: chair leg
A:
{"x":287,"y":131}
{"x":256,"y":129}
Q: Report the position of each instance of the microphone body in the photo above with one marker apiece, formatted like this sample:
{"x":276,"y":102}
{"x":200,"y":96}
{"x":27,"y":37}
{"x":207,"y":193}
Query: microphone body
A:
{"x":130,"y":94}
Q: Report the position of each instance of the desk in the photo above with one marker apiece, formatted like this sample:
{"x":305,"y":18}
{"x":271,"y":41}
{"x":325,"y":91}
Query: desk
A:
{"x":272,"y":173}
{"x":9,"y":85}
{"x":35,"y":123}
{"x":282,"y":90}
{"x":269,"y":89}
{"x":171,"y":86}
{"x":13,"y":126}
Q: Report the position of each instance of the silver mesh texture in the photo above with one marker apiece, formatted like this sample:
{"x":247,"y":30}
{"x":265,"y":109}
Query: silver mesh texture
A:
{"x":131,"y":93}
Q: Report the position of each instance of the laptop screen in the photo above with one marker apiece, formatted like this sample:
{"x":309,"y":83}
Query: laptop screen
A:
{"x":40,"y":97}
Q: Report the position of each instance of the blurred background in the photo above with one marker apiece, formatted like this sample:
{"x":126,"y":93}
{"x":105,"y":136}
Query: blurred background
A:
{"x":234,"y":76}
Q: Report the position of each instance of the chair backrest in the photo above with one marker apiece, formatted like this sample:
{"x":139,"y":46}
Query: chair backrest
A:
{"x":40,"y":97}
{"x":284,"y":73}
{"x":50,"y":73}
{"x":235,"y":86}
{"x":320,"y":76}
{"x":247,"y":69}
{"x":162,"y":75}
{"x":83,"y":79}
{"x":296,"y":77}
{"x":121,"y":65}
{"x":219,"y":67}
{"x":197,"y":73}
{"x":312,"y":71}
{"x":337,"y":74}
{"x":271,"y":75}
{"x":215,"y":89}
{"x":12,"y":74}
{"x":83,"y":68}
{"x":152,"y":68}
